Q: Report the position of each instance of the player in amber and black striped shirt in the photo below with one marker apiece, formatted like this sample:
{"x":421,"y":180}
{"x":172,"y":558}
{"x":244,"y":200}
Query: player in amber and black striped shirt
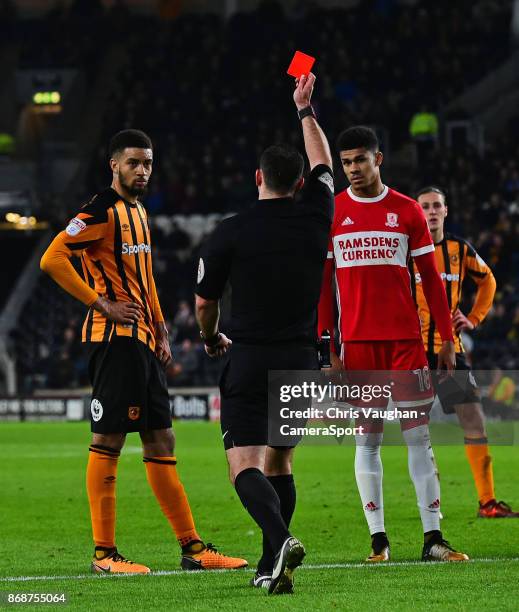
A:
{"x":456,"y":259}
{"x":112,"y":237}
{"x":129,"y":350}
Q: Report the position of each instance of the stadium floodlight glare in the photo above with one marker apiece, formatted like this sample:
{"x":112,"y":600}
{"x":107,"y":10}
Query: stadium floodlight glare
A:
{"x":46,"y":97}
{"x":20,"y":222}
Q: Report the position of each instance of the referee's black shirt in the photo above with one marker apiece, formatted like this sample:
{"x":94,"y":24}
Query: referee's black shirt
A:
{"x":273,"y":255}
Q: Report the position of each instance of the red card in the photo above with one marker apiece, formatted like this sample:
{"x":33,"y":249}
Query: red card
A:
{"x":301,"y":64}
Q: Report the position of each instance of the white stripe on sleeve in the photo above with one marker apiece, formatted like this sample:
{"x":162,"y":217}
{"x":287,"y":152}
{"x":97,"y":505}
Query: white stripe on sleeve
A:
{"x":422,"y":251}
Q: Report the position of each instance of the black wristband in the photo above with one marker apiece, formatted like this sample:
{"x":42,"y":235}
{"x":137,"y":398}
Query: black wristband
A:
{"x":212,"y":341}
{"x":307,"y":111}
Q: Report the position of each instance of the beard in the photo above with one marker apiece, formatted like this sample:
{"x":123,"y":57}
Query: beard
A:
{"x":132,"y":190}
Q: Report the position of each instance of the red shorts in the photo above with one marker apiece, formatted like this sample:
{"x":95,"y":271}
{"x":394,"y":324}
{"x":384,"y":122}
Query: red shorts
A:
{"x":401,"y":363}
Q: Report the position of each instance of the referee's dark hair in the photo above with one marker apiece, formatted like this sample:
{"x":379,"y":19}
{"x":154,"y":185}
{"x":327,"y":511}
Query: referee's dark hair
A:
{"x":128,"y":138}
{"x":282,"y":167}
{"x":429,"y":189}
{"x":358,"y":137}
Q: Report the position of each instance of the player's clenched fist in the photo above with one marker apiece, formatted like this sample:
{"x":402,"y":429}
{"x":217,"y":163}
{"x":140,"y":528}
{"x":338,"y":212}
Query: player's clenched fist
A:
{"x":120,"y":312}
{"x":303,"y":91}
{"x":220,"y":348}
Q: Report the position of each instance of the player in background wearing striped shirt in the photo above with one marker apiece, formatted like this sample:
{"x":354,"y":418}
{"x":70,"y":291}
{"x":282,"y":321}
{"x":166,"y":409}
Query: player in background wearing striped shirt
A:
{"x":374,"y":232}
{"x":456,"y":259}
{"x":126,"y":336}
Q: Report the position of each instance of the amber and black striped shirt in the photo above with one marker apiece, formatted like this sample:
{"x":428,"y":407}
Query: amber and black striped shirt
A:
{"x":455,"y":259}
{"x":112,"y":238}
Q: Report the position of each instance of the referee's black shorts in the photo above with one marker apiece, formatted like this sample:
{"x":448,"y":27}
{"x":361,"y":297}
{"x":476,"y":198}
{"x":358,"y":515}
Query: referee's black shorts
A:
{"x":130,"y":391}
{"x":243,"y":385}
{"x":454,"y":390}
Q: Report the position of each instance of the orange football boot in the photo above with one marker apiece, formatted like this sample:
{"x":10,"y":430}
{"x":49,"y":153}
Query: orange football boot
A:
{"x":115,"y":563}
{"x":208,"y":558}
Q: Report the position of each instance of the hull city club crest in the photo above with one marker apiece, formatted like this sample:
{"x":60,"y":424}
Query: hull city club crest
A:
{"x":392,"y":220}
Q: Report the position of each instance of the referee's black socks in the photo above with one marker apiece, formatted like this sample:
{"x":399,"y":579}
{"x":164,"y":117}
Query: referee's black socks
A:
{"x":262,"y":502}
{"x":286,"y":490}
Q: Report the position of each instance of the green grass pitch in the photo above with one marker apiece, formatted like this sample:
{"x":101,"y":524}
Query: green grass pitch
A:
{"x":45,"y":529}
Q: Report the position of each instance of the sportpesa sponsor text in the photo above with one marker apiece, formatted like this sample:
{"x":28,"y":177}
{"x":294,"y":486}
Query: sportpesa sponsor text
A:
{"x":135,"y":249}
{"x":443,"y":275}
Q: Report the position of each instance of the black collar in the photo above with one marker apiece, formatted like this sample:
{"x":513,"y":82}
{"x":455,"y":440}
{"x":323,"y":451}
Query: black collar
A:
{"x":273,"y":203}
{"x":120,"y":197}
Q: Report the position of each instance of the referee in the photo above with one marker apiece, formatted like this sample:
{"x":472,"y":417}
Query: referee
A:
{"x":273,"y":256}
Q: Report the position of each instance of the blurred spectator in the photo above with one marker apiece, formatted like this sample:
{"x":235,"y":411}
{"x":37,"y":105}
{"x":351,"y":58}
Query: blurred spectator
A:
{"x":184,"y":316}
{"x":185,"y":367}
{"x":61,"y":371}
{"x":502,"y":389}
{"x":500,"y":399}
{"x":424,"y":130}
{"x":155,"y":198}
{"x":7,"y":144}
{"x":184,"y":323}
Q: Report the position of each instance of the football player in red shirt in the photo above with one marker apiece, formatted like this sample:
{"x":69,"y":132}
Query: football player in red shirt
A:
{"x":374,"y":232}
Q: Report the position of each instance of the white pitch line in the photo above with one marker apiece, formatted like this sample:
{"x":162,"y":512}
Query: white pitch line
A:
{"x":225,"y":571}
{"x":128,"y":450}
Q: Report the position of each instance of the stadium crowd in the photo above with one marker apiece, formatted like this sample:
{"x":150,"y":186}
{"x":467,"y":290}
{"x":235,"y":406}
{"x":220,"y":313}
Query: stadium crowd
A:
{"x":483,"y":201}
{"x":69,"y":35}
{"x":213,"y":94}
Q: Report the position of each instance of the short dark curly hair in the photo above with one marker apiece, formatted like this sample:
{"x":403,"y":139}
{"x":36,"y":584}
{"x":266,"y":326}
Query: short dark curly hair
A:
{"x":129,"y":138}
{"x":358,"y":137}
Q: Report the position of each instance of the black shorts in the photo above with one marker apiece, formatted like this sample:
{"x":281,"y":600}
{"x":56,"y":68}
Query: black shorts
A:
{"x":130,"y":390}
{"x":454,"y":390}
{"x":244,"y":417}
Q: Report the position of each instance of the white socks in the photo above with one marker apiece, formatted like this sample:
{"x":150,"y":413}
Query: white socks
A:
{"x":369,"y":472}
{"x":422,"y":469}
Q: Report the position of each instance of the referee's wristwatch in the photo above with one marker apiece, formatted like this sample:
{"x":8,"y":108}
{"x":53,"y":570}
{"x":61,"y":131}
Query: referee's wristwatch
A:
{"x":212,"y":340}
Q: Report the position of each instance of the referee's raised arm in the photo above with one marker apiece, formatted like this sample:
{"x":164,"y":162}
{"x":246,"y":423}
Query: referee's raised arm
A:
{"x":316,"y":143}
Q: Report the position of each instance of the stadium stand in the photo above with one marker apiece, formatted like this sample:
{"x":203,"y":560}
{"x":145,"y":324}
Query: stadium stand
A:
{"x":16,"y":248}
{"x":210,"y":120}
{"x":204,"y":168}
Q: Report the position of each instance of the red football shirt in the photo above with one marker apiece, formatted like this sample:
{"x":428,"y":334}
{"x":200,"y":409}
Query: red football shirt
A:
{"x":371,"y":241}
